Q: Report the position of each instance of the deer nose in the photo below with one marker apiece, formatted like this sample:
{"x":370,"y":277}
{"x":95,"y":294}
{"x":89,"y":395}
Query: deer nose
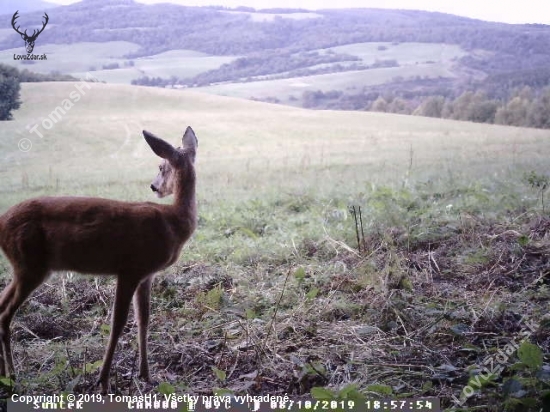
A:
{"x":153,"y":188}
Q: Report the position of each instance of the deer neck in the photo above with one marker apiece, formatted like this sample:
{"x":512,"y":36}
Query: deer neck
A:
{"x":184,"y":197}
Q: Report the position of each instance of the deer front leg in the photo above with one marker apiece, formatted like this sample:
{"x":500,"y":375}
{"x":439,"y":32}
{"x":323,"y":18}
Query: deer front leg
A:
{"x":124,"y":290}
{"x":24,"y":282}
{"x":142,"y":299}
{"x":5,"y":349}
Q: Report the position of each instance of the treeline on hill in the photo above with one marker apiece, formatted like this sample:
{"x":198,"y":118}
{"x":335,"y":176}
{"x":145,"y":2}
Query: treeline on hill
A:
{"x":512,"y":57}
{"x":10,"y":86}
{"x":524,"y":108}
{"x":267,"y":63}
{"x":160,"y":27}
{"x":278,"y":64}
{"x":517,"y":98}
{"x":500,"y":87}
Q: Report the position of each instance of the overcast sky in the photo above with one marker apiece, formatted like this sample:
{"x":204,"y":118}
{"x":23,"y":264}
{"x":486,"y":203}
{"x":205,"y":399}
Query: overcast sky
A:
{"x":509,"y":11}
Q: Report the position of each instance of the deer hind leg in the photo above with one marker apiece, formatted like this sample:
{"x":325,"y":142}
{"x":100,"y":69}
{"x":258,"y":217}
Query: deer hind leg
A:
{"x":124,"y":290}
{"x":142,"y":299}
{"x":18,"y":290}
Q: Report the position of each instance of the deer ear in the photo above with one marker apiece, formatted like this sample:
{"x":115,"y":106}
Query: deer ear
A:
{"x":160,"y":147}
{"x":189,"y":140}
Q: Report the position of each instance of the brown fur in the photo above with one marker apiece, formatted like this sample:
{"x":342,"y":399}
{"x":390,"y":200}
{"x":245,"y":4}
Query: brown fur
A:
{"x":132,"y":241}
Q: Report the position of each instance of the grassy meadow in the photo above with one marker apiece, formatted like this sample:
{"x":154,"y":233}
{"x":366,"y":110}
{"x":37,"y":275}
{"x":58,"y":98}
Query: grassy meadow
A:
{"x":262,"y":17}
{"x":405,"y":53}
{"x":288,"y":90}
{"x":69,"y":58}
{"x":278,"y":292}
{"x":80,"y":58}
{"x":422,"y":60}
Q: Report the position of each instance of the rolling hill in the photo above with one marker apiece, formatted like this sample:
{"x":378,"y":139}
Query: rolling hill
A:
{"x":281,"y":291}
{"x":360,"y":54}
{"x":260,"y":145}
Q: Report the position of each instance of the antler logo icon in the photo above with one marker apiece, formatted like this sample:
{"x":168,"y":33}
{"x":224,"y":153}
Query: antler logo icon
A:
{"x":29,"y":40}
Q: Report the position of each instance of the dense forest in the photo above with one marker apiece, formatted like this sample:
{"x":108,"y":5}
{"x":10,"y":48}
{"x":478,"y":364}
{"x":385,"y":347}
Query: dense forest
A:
{"x":519,"y":99}
{"x":525,"y":108}
{"x":162,"y":27}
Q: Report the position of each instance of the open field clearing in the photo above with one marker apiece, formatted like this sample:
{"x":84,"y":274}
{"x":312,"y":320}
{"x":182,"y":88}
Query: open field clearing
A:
{"x":179,"y":63}
{"x":69,"y":58}
{"x":404,"y":53}
{"x":363,"y":147}
{"x":263,"y":17}
{"x":274,"y":294}
{"x":420,"y":60}
{"x":79,"y":58}
{"x":347,"y":81}
{"x":5,"y":33}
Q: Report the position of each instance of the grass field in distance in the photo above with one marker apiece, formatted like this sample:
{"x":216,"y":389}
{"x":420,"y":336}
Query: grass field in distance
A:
{"x":77,"y":59}
{"x":273,"y":279}
{"x":263,"y":146}
{"x":421,"y":60}
{"x":414,"y":59}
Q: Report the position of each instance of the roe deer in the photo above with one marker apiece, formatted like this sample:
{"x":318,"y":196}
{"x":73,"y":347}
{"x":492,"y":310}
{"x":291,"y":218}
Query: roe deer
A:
{"x":103,"y":237}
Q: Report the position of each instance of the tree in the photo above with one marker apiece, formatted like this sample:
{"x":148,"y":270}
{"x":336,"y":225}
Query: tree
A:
{"x":514,"y":113}
{"x":379,"y":105}
{"x":474,"y":107}
{"x":399,"y":106}
{"x":312,"y":99}
{"x":483,"y":111}
{"x":539,"y":111}
{"x":461,"y":106}
{"x":431,"y":107}
{"x":9,"y":91}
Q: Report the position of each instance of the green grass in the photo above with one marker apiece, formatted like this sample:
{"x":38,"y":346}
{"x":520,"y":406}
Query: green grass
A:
{"x":273,"y":282}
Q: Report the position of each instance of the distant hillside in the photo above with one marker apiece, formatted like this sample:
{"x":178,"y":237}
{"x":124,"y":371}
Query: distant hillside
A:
{"x":160,"y":27}
{"x":11,"y":6}
{"x":340,"y":59}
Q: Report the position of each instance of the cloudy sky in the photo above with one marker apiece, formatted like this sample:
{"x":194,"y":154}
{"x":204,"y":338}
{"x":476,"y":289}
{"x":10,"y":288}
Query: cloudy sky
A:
{"x":509,"y":11}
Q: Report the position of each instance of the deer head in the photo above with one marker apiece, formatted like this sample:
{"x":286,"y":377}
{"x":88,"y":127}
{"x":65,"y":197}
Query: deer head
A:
{"x":29,"y":40}
{"x":166,"y":180}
